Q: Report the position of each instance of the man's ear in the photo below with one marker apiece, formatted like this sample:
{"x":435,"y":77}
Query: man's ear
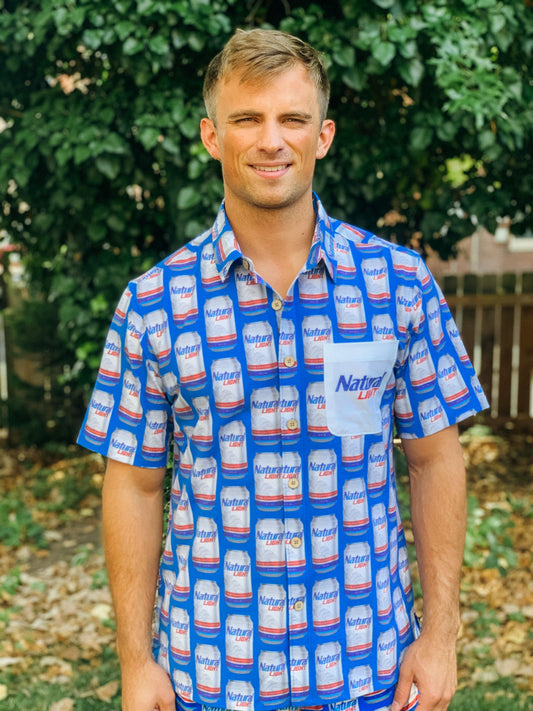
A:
{"x":209,"y":138}
{"x":325,"y":139}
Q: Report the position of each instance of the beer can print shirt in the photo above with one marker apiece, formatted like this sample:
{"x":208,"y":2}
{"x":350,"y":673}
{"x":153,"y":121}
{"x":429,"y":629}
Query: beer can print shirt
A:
{"x":284,"y":579}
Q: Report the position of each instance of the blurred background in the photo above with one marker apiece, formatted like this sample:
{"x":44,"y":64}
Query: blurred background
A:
{"x":102,"y":173}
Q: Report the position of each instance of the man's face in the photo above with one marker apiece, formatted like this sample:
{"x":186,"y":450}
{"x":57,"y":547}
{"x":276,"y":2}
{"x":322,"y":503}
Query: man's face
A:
{"x":267,"y":136}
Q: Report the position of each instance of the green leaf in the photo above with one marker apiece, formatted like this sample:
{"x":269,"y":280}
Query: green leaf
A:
{"x":132,"y":46}
{"x":149,"y":137}
{"x":411,"y":72}
{"x":355,"y":78}
{"x":108,"y":166}
{"x":113,"y":143}
{"x":344,"y":56}
{"x":188,"y":197}
{"x":81,"y":153}
{"x":385,"y":4}
{"x":159,"y":45}
{"x":420,"y":138}
{"x":384,"y":52}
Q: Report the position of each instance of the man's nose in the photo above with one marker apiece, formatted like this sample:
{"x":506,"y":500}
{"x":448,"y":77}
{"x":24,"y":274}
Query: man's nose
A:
{"x":270,"y":137}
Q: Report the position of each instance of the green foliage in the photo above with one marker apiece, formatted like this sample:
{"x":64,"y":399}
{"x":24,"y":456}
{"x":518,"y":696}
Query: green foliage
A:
{"x":17,"y":525}
{"x":103,"y":173}
{"x":488,"y":542}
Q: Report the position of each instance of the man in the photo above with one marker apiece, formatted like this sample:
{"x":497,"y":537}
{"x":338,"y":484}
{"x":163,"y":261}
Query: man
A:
{"x":273,"y":351}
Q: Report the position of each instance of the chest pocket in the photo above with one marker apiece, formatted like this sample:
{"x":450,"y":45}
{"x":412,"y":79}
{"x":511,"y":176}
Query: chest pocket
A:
{"x":355,"y":378}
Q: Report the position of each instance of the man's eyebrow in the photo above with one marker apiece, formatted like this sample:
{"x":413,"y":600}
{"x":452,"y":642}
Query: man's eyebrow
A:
{"x":288,"y":114}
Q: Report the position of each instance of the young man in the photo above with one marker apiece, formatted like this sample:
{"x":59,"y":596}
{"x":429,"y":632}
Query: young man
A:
{"x":273,"y":352}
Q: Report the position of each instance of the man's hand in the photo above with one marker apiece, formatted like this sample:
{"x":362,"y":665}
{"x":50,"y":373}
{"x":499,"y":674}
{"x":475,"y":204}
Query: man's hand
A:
{"x":147,"y":688}
{"x":431,"y":665}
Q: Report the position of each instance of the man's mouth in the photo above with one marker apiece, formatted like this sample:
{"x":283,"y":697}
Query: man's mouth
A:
{"x":271,"y":168}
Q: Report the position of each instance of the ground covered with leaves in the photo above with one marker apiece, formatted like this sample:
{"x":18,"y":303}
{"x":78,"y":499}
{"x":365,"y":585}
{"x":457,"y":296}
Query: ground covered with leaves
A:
{"x":56,"y":623}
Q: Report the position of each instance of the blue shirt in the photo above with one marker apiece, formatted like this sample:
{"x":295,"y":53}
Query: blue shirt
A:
{"x":284,"y":579}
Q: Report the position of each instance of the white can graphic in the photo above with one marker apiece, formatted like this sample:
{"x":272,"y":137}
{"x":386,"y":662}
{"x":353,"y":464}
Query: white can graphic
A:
{"x":377,"y":469}
{"x":168,"y":554}
{"x":357,"y":570}
{"x":130,"y":410}
{"x":358,"y":632}
{"x":239,"y":696}
{"x":182,"y":409}
{"x":182,"y":587}
{"x":268,"y":481}
{"x":294,"y":547}
{"x":325,"y":543}
{"x":343,"y":254}
{"x":402,"y":404}
{"x":239,"y":643}
{"x":299,"y":666}
{"x":205,"y":554}
{"x":297,"y":610}
{"x":110,"y":367}
{"x":266,"y":423}
{"x":272,"y":604}
{"x":404,"y":265}
{"x":190,"y":361}
{"x":204,"y":482}
{"x":158,"y":333}
{"x":182,"y":521}
{"x":326,"y":606}
{"x":383,"y":593}
{"x":150,"y":287}
{"x":235,"y":507}
{"x":405,"y":573}
{"x":451,"y":383}
{"x":182,"y":260}
{"x":387,"y":655}
{"x":453,"y":334}
{"x":393,"y":551}
{"x":122,"y":308}
{"x":98,"y":418}
{"x":237,"y":579}
{"x":227,"y":386}
{"x":207,"y":665}
{"x":186,"y":458}
{"x":251,"y":294}
{"x":434,"y":322}
{"x":180,"y":642}
{"x":360,"y":681}
{"x":350,"y":310}
{"x":383,"y":328}
{"x":210,"y":276}
{"x":122,"y":446}
{"x":270,"y":546}
{"x":132,"y":345}
{"x":317,"y":427}
{"x":353,"y":451}
{"x":316,"y":332}
{"x":206,"y":608}
{"x":232,"y":443}
{"x":329,"y":676}
{"x":292,"y":480}
{"x":432,"y":415}
{"x":162,"y":656}
{"x":273,"y":678}
{"x":220,"y":323}
{"x":375,"y":274}
{"x":400,"y":615}
{"x":380,"y":531}
{"x":421,"y":368}
{"x":290,"y":414}
{"x":355,"y":518}
{"x":202,"y":434}
{"x":169,"y":578}
{"x":154,"y":446}
{"x":288,"y":365}
{"x":313,"y":287}
{"x":260,"y":350}
{"x":184,"y":300}
{"x":322,"y":475}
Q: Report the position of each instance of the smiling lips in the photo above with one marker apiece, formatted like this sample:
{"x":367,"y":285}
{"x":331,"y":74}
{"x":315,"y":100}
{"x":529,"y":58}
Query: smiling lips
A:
{"x":271,"y":168}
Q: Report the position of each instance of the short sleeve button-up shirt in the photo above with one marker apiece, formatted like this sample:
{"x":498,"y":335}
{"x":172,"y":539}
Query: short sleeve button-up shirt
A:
{"x":284,"y":579}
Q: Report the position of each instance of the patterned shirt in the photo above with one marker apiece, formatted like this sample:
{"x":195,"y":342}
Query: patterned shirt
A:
{"x":284,"y":579}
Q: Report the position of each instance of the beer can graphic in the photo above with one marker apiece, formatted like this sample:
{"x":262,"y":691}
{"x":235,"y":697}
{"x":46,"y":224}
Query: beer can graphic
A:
{"x":182,"y":587}
{"x":206,"y":608}
{"x":160,"y":389}
{"x":205,"y":553}
{"x":432,"y":415}
{"x":383,"y":585}
{"x":182,"y":521}
{"x":98,"y":418}
{"x":169,"y":578}
{"x":150,"y":287}
{"x":252,"y":295}
{"x":154,"y":446}
{"x":270,"y":546}
{"x":326,"y":606}
{"x":353,"y":451}
{"x":182,"y":260}
{"x":377,"y":469}
{"x":400,"y":615}
{"x":402,"y":404}
{"x":375,"y":274}
{"x":132,"y":343}
{"x":122,"y":308}
{"x":380,"y":531}
{"x":292,"y":480}
{"x":317,"y":428}
{"x":232,"y":443}
{"x":266,"y":423}
{"x":316,"y":332}
{"x":360,"y":681}
{"x":162,"y":656}
{"x":350,"y":310}
{"x":183,"y":300}
{"x":404,"y":265}
{"x":202,"y":433}
{"x":207,"y":665}
{"x":355,"y":520}
{"x":260,"y":350}
{"x":288,"y":364}
{"x":325,"y":543}
{"x":451,"y":383}
{"x":268,"y":481}
{"x":343,"y":254}
{"x":190,"y":361}
{"x":239,"y":643}
{"x":387,"y":655}
{"x":130,"y":410}
{"x":186,"y":458}
{"x":313,"y":287}
{"x":110,"y":367}
{"x":393,"y":552}
{"x":358,"y":632}
{"x":322,"y":476}
{"x":297,"y":607}
{"x":453,"y":334}
{"x":357,"y":570}
{"x":235,"y":507}
{"x":122,"y":446}
{"x":237,"y":579}
{"x":221,"y":334}
{"x":210,"y":276}
{"x":299,"y":666}
{"x":273,"y":678}
{"x":434,"y":322}
{"x":157,"y":330}
{"x":204,"y":482}
{"x":289,"y":410}
{"x":168,"y":554}
{"x":421,"y":368}
{"x":383,"y":328}
{"x":239,"y":696}
{"x":182,"y":410}
{"x":405,"y":573}
{"x":294,"y":547}
{"x":272,"y":606}
{"x":227,"y":386}
{"x":180,"y":642}
{"x":183,"y":687}
{"x":329,"y":676}
{"x":409,"y":308}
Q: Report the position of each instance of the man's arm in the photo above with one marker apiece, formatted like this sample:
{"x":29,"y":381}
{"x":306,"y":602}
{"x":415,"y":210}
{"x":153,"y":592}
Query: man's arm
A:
{"x":438,"y":512}
{"x":133,"y":518}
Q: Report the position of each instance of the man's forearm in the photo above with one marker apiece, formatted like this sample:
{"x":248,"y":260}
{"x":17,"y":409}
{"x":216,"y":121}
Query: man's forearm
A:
{"x":132,"y":518}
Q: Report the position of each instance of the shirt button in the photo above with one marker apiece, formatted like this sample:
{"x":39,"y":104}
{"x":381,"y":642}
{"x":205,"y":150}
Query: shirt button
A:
{"x":277,"y":304}
{"x":246,"y":264}
{"x":293,"y":483}
{"x":292,"y":424}
{"x":289,"y":361}
{"x":299,"y":605}
{"x":296,"y":542}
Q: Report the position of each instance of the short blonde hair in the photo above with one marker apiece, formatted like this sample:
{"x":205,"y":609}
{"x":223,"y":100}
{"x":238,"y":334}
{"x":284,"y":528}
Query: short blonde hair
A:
{"x":260,"y":55}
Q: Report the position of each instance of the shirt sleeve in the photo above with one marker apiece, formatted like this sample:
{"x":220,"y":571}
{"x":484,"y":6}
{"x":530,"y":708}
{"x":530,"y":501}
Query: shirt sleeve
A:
{"x":436,"y":384}
{"x":129,"y":414}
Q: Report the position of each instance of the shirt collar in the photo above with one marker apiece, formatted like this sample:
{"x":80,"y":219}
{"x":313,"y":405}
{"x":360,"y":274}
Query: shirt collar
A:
{"x":227,"y":249}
